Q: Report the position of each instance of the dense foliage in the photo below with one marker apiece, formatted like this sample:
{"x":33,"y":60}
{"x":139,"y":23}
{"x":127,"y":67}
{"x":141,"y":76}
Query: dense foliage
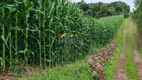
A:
{"x":101,"y":9}
{"x":137,"y":14}
{"x":30,"y":32}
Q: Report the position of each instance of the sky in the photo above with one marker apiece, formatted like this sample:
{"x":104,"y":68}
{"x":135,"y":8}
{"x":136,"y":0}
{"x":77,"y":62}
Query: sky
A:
{"x":129,"y":2}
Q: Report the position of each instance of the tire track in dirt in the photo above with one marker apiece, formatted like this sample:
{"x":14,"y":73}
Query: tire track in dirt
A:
{"x":120,"y":73}
{"x":137,"y":58}
{"x":7,"y":77}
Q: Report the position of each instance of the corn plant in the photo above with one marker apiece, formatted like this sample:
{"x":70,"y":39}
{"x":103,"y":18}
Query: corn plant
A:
{"x":30,"y":33}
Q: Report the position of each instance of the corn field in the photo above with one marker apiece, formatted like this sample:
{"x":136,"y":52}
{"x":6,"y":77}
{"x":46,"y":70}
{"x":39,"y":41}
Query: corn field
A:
{"x":30,"y":33}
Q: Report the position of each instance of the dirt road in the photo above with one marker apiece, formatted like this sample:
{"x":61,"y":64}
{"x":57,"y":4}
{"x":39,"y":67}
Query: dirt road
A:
{"x":120,"y":72}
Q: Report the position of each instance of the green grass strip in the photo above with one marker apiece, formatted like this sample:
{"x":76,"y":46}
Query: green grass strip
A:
{"x":110,"y":65}
{"x":129,"y":64}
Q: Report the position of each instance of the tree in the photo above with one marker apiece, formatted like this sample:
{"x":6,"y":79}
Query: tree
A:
{"x":111,"y":11}
{"x":101,"y":9}
{"x":84,"y":6}
{"x":137,"y":14}
{"x":120,"y":7}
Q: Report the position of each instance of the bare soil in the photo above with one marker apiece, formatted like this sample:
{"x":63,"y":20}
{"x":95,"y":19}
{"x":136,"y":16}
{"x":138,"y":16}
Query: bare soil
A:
{"x":7,"y":77}
{"x":120,"y":73}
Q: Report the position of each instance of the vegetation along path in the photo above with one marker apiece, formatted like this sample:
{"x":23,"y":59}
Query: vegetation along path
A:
{"x":120,"y":72}
{"x":129,"y":65}
{"x":137,"y":58}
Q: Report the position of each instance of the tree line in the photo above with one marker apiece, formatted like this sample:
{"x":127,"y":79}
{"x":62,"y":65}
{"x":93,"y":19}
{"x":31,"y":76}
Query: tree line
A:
{"x":137,"y":14}
{"x":101,"y":9}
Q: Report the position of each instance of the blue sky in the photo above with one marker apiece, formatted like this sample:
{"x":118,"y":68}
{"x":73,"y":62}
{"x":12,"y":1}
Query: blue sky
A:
{"x":129,"y":2}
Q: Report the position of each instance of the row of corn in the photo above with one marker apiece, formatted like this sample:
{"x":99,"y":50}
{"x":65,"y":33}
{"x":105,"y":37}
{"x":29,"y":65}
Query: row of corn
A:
{"x":48,"y":33}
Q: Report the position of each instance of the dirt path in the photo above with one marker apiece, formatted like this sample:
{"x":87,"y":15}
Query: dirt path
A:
{"x":120,"y":73}
{"x":137,"y":58}
{"x":4,"y":77}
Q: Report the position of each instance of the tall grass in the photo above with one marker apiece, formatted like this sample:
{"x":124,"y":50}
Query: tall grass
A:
{"x":30,"y":32}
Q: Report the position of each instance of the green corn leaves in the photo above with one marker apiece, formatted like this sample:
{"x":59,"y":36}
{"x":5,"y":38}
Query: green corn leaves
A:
{"x":30,"y":33}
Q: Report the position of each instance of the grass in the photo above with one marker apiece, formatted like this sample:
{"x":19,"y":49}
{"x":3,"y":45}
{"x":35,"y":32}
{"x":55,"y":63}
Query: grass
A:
{"x":130,"y":67}
{"x":78,"y":70}
{"x":110,"y":65}
{"x":129,"y":64}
